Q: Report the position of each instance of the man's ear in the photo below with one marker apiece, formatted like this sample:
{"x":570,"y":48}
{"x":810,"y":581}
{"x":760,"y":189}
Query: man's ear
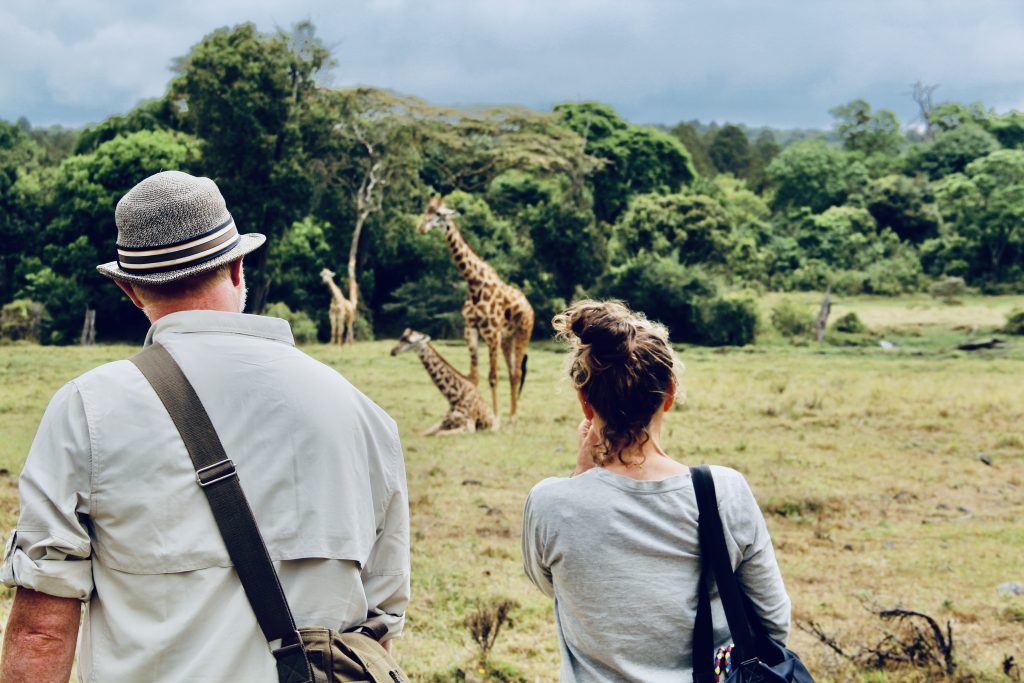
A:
{"x":236,"y":272}
{"x":127,"y":288}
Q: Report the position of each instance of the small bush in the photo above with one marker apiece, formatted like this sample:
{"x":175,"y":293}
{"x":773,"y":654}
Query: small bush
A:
{"x":949,"y":289}
{"x":728,"y":322}
{"x":1015,"y":322}
{"x":850,"y":324}
{"x":791,"y":320}
{"x":22,"y":319}
{"x":303,"y":327}
{"x":485,"y":623}
{"x":893,"y":276}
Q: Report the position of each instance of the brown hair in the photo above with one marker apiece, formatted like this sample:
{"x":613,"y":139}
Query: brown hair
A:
{"x":623,"y":364}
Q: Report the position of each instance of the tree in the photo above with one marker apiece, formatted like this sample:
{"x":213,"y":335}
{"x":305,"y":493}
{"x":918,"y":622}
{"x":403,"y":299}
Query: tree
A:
{"x":563,"y":237}
{"x":637,"y":159}
{"x":951,"y":151}
{"x":985,"y":207}
{"x":372,"y":147}
{"x":906,"y":205}
{"x":814,"y":175}
{"x":695,"y":227}
{"x":247,"y":95}
{"x":731,"y":152}
{"x":155,"y":114}
{"x":765,"y":150}
{"x":867,"y":132}
{"x":21,"y":203}
{"x":697,"y":148}
{"x":922,"y":96}
{"x":81,"y":233}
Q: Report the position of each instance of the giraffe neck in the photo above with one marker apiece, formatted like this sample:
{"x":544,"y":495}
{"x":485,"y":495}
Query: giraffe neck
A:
{"x":466,"y":260}
{"x":335,"y":290}
{"x":445,"y":377}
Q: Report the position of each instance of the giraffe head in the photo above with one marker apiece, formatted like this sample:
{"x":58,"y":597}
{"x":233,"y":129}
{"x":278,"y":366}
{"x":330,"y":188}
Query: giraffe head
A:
{"x":409,"y":340}
{"x":436,"y":214}
{"x":326,"y":275}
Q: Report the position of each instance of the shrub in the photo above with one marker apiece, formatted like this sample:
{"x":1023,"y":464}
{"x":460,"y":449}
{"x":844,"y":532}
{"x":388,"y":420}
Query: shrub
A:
{"x":1015,"y":322}
{"x":303,"y":327}
{"x":791,"y":320}
{"x":22,"y":319}
{"x":684,"y":298}
{"x":949,"y":289}
{"x":665,"y":290}
{"x":898,"y":274}
{"x":850,"y":324}
{"x":728,"y":321}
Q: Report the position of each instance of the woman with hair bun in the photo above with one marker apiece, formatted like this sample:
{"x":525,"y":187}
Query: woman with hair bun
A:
{"x":615,"y":544}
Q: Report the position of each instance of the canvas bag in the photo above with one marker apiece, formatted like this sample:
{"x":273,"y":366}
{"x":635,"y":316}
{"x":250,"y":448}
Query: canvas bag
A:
{"x":756,"y":657}
{"x":306,"y":655}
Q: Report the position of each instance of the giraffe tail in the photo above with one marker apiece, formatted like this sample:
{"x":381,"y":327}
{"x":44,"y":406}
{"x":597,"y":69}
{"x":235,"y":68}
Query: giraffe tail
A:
{"x":522,"y":377}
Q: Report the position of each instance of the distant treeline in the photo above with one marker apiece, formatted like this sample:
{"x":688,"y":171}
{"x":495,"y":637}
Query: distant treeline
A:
{"x":683,"y":222}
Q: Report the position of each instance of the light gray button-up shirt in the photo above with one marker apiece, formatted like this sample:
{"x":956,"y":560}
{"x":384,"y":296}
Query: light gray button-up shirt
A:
{"x":111,"y":512}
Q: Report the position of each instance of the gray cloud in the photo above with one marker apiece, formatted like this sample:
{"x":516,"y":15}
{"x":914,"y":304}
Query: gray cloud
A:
{"x":783,"y":64}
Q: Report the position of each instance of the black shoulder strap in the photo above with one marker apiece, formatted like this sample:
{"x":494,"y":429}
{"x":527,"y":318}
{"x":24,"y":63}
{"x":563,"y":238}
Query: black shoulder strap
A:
{"x":714,"y":553}
{"x":215,"y":473}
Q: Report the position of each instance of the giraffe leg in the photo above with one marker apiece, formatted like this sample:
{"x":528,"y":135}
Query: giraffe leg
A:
{"x":507,"y":351}
{"x":493,"y":342}
{"x":451,"y":432}
{"x":350,"y":331}
{"x":472,"y":343}
{"x":521,"y":340}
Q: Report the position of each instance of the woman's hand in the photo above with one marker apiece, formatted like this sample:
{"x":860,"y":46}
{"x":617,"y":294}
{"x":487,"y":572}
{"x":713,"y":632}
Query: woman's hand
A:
{"x":589,"y":437}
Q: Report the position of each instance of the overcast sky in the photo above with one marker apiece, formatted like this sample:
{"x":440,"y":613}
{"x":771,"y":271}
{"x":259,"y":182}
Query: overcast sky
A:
{"x":782,"y":63}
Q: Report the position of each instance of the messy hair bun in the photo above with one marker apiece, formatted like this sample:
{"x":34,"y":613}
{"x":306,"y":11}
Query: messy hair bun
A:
{"x":624,"y":366}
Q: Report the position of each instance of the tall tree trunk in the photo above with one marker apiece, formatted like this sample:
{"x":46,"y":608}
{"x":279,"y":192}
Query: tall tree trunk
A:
{"x":88,"y":337}
{"x":353,"y":283}
{"x":821,"y":322}
{"x":365,"y":205}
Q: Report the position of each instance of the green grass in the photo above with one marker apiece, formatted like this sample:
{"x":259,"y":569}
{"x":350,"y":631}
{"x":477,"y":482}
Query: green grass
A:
{"x":863,"y":458}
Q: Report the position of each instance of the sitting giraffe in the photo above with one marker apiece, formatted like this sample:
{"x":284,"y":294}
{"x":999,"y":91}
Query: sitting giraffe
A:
{"x":467,"y":411}
{"x":341,"y":308}
{"x":493,"y":309}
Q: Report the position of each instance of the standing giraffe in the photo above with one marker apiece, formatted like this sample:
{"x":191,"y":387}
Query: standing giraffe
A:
{"x":467,"y":410}
{"x":494,"y":310}
{"x":341,"y":312}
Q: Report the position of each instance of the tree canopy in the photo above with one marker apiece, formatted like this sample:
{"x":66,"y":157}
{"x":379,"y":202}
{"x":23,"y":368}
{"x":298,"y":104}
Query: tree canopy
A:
{"x":564,"y":203}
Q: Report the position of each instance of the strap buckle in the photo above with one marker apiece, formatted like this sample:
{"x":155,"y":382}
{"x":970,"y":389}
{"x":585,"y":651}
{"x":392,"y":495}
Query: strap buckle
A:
{"x":286,"y":650}
{"x":218,"y":471}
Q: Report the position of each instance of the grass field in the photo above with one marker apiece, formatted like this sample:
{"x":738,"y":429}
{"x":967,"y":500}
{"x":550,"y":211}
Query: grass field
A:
{"x":864,"y":459}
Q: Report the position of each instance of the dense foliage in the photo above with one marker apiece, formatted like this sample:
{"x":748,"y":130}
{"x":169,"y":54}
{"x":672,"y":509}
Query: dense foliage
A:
{"x":577,"y":201}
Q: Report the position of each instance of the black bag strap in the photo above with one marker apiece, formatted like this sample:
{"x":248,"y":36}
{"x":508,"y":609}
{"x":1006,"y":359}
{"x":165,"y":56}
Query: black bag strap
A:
{"x":715,"y":559}
{"x":216,"y":474}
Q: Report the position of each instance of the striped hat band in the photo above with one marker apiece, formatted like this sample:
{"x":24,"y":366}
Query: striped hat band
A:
{"x":190,"y":252}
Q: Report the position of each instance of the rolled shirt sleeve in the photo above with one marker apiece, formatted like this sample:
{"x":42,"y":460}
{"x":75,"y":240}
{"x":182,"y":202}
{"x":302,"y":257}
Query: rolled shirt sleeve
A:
{"x":50,"y":549}
{"x":386,"y":574}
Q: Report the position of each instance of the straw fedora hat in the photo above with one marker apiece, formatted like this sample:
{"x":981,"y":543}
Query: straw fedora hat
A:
{"x":171,"y":226}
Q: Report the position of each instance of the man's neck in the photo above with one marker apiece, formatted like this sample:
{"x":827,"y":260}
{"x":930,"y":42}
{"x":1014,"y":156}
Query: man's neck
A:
{"x":221,"y":298}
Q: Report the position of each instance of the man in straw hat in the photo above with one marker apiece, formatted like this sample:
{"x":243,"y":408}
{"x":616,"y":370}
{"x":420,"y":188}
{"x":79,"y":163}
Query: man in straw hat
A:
{"x":111,"y":512}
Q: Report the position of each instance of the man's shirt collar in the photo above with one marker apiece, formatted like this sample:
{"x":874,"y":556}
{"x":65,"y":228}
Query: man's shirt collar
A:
{"x":187,"y":322}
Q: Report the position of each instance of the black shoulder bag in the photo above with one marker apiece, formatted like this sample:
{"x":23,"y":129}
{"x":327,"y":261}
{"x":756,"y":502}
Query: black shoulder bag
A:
{"x":305,"y":655}
{"x":756,"y":656}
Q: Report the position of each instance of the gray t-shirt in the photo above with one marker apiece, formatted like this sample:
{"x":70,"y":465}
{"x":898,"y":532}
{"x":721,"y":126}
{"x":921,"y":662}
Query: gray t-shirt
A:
{"x":621,"y":558}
